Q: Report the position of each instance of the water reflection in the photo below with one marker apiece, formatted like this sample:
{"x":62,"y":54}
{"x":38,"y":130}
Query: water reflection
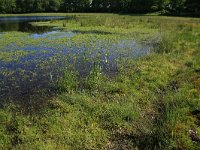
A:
{"x":40,"y":70}
{"x":33,"y":76}
{"x":54,"y":35}
{"x":22,"y":24}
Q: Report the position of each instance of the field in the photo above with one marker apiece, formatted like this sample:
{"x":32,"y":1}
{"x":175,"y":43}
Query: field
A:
{"x":102,"y":81}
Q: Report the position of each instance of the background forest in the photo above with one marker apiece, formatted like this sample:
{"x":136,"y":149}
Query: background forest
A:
{"x":169,"y":7}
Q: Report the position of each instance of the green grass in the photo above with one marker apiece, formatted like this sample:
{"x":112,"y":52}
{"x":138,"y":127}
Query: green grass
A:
{"x":149,"y":104}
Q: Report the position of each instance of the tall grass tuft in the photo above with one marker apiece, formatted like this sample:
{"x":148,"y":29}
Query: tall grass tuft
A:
{"x":68,"y":83}
{"x":164,"y":43}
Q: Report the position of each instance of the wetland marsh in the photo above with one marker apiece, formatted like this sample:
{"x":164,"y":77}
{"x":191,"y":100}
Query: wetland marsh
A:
{"x":36,"y":59}
{"x":99,"y":81}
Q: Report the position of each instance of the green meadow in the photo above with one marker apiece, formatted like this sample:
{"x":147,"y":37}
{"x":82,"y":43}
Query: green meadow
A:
{"x":111,"y":82}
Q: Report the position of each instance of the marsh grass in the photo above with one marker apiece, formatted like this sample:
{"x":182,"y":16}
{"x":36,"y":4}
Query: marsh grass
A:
{"x":148,"y":104}
{"x":164,"y":43}
{"x":68,"y":82}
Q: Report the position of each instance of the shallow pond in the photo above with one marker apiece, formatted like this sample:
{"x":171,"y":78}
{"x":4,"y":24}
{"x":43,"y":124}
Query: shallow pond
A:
{"x":32,"y":63}
{"x":22,"y":23}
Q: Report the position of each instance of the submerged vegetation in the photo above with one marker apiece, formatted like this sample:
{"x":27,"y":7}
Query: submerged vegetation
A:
{"x":102,"y":81}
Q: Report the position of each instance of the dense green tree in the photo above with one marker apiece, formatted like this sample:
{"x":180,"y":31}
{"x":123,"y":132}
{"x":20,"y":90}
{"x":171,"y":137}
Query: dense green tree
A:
{"x":20,"y":6}
{"x":117,"y":5}
{"x":29,"y":6}
{"x":54,"y":5}
{"x":40,"y":5}
{"x":193,"y":6}
{"x":132,"y":6}
{"x":163,"y":5}
{"x":176,"y":6}
{"x":7,"y":6}
{"x":141,"y":6}
{"x":76,"y":5}
{"x":100,"y":5}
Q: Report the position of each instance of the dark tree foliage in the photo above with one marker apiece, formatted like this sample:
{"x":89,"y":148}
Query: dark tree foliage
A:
{"x":141,"y":6}
{"x":7,"y":6}
{"x":193,"y":7}
{"x":177,"y":7}
{"x":76,"y":5}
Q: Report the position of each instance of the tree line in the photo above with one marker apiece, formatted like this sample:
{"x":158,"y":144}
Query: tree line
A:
{"x":176,"y":7}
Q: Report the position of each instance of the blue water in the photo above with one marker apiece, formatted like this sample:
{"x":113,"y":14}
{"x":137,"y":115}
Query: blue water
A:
{"x":72,"y":53}
{"x":46,"y":61}
{"x":22,"y":23}
{"x":28,"y":18}
{"x":53,"y":35}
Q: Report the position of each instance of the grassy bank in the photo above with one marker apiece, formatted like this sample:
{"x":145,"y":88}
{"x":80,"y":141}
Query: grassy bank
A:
{"x":152,"y":102}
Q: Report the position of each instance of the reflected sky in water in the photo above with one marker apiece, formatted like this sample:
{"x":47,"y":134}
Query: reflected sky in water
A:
{"x":46,"y":61}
